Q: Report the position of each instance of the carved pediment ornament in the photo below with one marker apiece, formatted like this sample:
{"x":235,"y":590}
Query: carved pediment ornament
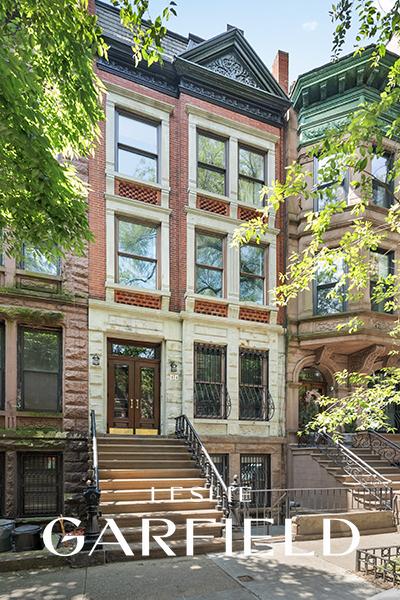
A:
{"x":230,"y":66}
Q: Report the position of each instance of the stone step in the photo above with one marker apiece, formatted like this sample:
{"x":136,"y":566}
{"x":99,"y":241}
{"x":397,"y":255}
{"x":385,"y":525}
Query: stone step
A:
{"x":132,"y":463}
{"x":178,"y":516}
{"x":116,"y":473}
{"x":146,"y":494}
{"x":139,"y":440}
{"x":134,"y":534}
{"x":158,"y":506}
{"x":147,"y":483}
{"x":143,"y":453}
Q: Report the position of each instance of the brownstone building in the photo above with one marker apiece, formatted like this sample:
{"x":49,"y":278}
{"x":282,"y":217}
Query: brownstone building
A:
{"x":317,"y":349}
{"x":43,"y":384}
{"x":180,"y":321}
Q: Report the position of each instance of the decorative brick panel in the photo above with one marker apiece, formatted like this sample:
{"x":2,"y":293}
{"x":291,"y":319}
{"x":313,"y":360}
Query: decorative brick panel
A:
{"x":137,"y":299}
{"x":254,"y":314}
{"x":211,"y":308}
{"x":135,"y":191}
{"x":212,"y":205}
{"x":245,"y":213}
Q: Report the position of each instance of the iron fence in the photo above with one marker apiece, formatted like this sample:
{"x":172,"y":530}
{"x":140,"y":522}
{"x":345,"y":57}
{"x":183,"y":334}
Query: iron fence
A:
{"x":281,"y":504}
{"x":381,"y":563}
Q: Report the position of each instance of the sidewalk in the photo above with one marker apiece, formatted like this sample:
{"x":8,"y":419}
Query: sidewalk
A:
{"x":217,"y":577}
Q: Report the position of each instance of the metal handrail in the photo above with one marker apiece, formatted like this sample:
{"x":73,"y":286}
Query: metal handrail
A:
{"x":379,"y":444}
{"x":355,"y":458}
{"x":95,"y":458}
{"x":185,"y":430}
{"x":362,"y":473}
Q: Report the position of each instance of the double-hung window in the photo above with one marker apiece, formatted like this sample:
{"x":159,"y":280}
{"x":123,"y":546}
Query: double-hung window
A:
{"x":329,"y":296}
{"x":252,"y":273}
{"x":252,"y":169}
{"x":382,"y":263}
{"x":255,"y":402}
{"x":382,"y":185}
{"x":36,"y":262}
{"x":211,"y":163}
{"x":210,"y":395}
{"x":209,"y":265}
{"x":330,"y":187}
{"x":137,"y":245}
{"x":137,"y":147}
{"x":40,"y":370}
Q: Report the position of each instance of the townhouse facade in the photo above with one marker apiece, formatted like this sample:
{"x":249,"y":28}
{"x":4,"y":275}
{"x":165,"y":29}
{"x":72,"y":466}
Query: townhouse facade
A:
{"x":43,"y":383}
{"x":180,"y":321}
{"x":322,"y":99}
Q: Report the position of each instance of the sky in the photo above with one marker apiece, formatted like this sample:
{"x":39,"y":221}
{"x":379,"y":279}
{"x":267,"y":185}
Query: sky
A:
{"x":301,"y":27}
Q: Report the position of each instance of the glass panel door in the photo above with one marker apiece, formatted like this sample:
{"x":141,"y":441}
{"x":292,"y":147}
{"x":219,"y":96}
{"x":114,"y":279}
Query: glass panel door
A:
{"x":147,"y":387}
{"x":120,"y":409}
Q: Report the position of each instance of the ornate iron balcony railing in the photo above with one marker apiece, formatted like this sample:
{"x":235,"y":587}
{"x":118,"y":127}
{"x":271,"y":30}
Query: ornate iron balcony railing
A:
{"x":255,"y":403}
{"x":211,"y":400}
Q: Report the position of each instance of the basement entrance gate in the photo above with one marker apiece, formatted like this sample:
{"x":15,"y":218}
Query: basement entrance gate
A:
{"x":133,"y":387}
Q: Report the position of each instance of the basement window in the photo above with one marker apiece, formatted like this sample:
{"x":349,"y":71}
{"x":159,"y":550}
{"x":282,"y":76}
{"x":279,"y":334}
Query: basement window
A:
{"x":40,"y":484}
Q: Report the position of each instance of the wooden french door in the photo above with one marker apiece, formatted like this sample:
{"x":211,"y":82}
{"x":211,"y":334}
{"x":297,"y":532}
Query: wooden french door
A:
{"x":133,"y":388}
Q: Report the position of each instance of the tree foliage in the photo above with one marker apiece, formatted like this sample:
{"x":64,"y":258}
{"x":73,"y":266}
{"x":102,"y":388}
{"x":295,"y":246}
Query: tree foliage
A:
{"x":50,"y":107}
{"x":349,"y":147}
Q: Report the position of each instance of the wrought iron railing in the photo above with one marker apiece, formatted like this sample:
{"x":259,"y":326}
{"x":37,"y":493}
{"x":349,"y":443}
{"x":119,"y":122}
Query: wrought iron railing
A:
{"x":185,"y":430}
{"x":95,"y":458}
{"x":381,"y":563}
{"x":379,"y":444}
{"x":255,"y":403}
{"x":375,"y":485}
{"x":92,"y":492}
{"x":281,"y":504}
{"x":211,"y":400}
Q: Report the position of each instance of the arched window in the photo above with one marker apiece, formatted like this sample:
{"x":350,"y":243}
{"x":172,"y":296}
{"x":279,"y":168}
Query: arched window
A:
{"x":312,"y":387}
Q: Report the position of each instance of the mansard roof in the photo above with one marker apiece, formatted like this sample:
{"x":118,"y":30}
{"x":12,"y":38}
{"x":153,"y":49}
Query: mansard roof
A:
{"x":223,"y":70}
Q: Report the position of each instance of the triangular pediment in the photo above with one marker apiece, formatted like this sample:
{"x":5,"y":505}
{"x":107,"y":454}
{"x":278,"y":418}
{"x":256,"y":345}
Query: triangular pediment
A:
{"x":230,"y":55}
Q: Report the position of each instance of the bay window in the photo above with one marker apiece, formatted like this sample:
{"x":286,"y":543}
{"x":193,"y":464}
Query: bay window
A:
{"x":137,"y":245}
{"x":211,"y":163}
{"x":137,"y":147}
{"x":252,"y":274}
{"x":326,"y":283}
{"x":382,"y":186}
{"x":209,"y":273}
{"x":252,"y":168}
{"x":382,"y":265}
{"x":330,"y":186}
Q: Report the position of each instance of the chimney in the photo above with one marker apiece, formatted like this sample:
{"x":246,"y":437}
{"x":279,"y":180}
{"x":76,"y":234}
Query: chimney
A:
{"x":280,"y":69}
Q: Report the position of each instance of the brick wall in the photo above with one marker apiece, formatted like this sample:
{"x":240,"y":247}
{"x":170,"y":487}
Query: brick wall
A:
{"x":178,"y":195}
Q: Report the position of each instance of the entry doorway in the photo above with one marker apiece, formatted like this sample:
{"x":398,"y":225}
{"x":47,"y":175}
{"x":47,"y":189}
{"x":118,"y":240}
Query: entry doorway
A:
{"x":133,"y":387}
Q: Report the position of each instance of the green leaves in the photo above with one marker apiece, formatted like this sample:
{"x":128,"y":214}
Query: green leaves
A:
{"x":50,"y":107}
